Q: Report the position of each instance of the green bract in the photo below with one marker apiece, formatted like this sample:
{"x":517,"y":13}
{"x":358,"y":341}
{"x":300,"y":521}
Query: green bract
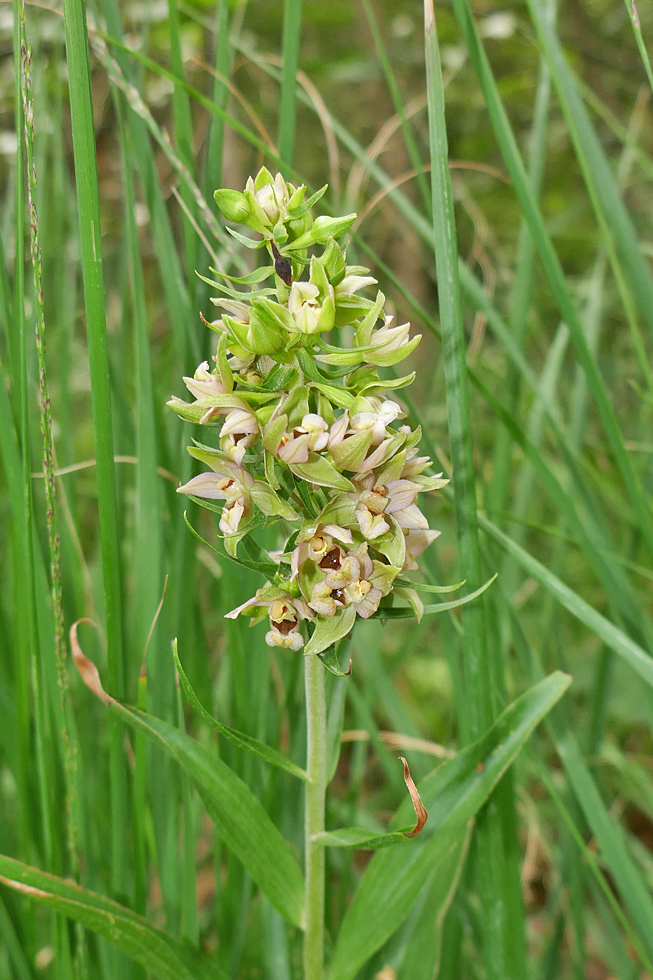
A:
{"x":308,"y":436}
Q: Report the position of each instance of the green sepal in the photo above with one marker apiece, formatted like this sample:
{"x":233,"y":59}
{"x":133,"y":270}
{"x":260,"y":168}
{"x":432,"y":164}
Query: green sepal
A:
{"x":336,"y":395}
{"x":413,"y":600}
{"x":351,"y":452}
{"x":366,"y":326}
{"x":296,"y":405}
{"x":299,"y":210}
{"x":272,"y":433}
{"x":392,"y":357}
{"x":430,"y":482}
{"x":340,"y":511}
{"x":329,"y":629}
{"x":379,"y":387}
{"x":350,"y":307}
{"x":392,"y":469}
{"x":270,"y":472}
{"x":334,"y":261}
{"x":224,"y":371}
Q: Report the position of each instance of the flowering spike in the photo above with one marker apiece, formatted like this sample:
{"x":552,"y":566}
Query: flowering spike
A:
{"x":307,"y":434}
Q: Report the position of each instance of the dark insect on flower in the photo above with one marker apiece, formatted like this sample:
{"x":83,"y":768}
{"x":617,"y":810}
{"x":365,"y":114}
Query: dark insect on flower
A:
{"x":282,"y":266}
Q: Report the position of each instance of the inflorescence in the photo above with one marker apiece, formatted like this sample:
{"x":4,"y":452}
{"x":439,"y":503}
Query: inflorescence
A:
{"x":307,"y":433}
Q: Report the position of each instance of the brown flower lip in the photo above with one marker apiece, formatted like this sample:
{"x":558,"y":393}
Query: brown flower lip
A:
{"x":331,"y":560}
{"x":283,"y":626}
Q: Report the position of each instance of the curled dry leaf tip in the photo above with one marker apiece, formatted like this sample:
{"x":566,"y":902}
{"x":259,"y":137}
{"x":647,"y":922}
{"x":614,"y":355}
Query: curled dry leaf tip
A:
{"x":86,"y":667}
{"x":420,"y":810}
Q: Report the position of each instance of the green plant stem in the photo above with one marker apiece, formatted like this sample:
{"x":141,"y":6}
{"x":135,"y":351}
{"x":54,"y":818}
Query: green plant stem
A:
{"x":316,"y":767}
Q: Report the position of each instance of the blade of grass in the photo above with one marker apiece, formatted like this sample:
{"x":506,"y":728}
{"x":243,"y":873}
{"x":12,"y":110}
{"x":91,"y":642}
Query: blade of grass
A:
{"x":157,"y":951}
{"x":292,"y":29}
{"x":498,"y":861}
{"x":522,"y":288}
{"x":83,"y":128}
{"x":611,"y":635}
{"x":629,"y":265}
{"x":395,"y":94}
{"x":631,"y":7}
{"x":553,"y":269}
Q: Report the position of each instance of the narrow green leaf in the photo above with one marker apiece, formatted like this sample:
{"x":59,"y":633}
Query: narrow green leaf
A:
{"x":611,"y":635}
{"x":243,"y":741}
{"x":240,"y":818}
{"x":165,"y":956}
{"x":431,"y":610}
{"x":452,"y":796}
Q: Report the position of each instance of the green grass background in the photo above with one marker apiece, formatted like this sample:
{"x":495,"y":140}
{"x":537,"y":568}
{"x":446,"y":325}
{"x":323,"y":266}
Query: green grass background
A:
{"x":557,"y":319}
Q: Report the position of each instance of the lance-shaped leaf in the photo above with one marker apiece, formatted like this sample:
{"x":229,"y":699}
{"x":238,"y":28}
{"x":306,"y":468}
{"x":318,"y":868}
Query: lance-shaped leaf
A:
{"x":242,"y":822}
{"x":242,"y":740}
{"x":320,"y":471}
{"x":452,"y":795}
{"x":162,"y":955}
{"x":390,"y":613}
{"x":270,"y":502}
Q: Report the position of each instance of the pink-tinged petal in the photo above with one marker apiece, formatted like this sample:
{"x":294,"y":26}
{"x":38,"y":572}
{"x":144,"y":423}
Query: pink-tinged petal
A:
{"x":209,"y":486}
{"x":232,"y":516}
{"x":418,"y":541}
{"x":411,"y":517}
{"x":234,"y":613}
{"x":375,"y":458}
{"x":297,"y":558}
{"x":402,"y":494}
{"x":370,"y":604}
{"x":209,"y":415}
{"x":339,"y":533}
{"x":296,"y":450}
{"x":338,"y":430}
{"x":240,"y":420}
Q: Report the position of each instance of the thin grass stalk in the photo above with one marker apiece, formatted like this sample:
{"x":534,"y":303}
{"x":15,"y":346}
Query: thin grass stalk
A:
{"x":222,"y":64}
{"x":633,"y":16}
{"x":314,"y":856}
{"x":395,"y":94}
{"x":54,"y":541}
{"x":83,"y":130}
{"x":292,"y":28}
{"x":504,"y":945}
{"x":183,"y":138}
{"x":553,"y":269}
{"x":522,"y":290}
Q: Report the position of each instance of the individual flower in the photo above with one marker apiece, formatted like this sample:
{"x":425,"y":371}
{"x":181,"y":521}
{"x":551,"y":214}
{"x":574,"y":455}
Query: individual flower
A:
{"x":285,"y":613}
{"x":239,"y":433}
{"x":203,"y":384}
{"x":348,"y":581}
{"x":271,"y":197}
{"x":314,"y":543}
{"x":382,"y":412}
{"x":229,"y":482}
{"x":397,"y":498}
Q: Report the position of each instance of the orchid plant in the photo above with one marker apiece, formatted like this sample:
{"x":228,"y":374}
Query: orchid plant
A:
{"x":309,"y":438}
